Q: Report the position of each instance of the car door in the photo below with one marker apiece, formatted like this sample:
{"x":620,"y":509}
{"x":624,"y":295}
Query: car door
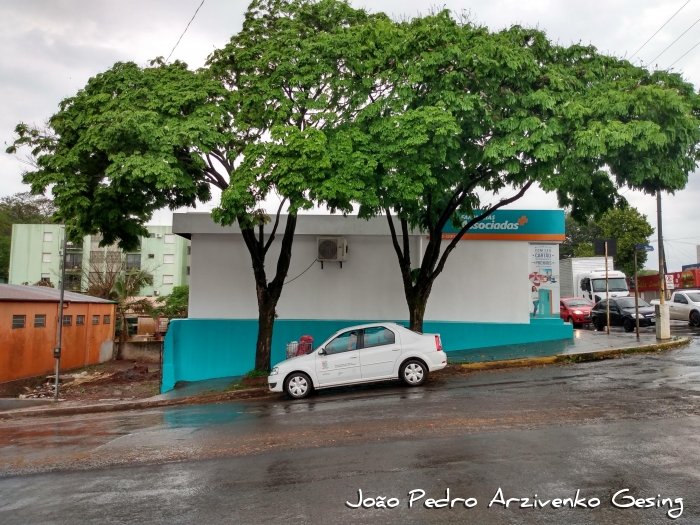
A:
{"x":615,"y":314}
{"x":679,"y":307}
{"x":563,"y":312}
{"x":380,"y":351}
{"x":340,"y":360}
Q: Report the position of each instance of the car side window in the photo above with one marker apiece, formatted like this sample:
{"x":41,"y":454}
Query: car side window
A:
{"x":344,"y":342}
{"x":601,"y":305}
{"x":678,"y":298}
{"x":562,"y":306}
{"x":377,"y":336}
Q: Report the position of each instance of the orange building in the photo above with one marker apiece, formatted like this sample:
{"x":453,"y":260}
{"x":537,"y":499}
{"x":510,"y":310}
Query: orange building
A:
{"x":28,"y":326}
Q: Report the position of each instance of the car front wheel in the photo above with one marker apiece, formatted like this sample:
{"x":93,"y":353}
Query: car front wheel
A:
{"x":413,"y":373}
{"x":628,"y":325}
{"x":298,"y":385}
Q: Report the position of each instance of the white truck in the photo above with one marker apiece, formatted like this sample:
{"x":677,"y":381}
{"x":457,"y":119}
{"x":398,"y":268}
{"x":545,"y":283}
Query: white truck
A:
{"x":585,"y":277}
{"x":684,"y":306}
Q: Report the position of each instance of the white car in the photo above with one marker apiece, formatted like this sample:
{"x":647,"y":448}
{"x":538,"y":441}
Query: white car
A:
{"x":361,"y":354}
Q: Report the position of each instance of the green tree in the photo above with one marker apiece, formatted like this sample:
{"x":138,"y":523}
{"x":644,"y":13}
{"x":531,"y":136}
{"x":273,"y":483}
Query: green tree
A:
{"x":579,"y":238}
{"x":625,"y":224}
{"x":175,"y":304}
{"x":125,"y":289}
{"x":20,"y":208}
{"x":251,"y":123}
{"x":629,"y":227}
{"x":457,"y":110}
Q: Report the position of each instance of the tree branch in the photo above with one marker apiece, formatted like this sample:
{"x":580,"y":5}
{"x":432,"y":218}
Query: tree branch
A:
{"x":472,"y":222}
{"x":274,"y":228}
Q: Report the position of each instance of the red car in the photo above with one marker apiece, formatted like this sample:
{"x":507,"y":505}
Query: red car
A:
{"x":576,"y":310}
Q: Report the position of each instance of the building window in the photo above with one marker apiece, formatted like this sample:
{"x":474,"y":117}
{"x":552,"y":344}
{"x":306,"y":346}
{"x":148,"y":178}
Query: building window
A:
{"x":95,"y":319}
{"x":48,"y":236}
{"x":189,"y":250}
{"x":46,"y":277}
{"x":74,"y":282}
{"x":105,"y":319}
{"x":18,"y":321}
{"x":133,"y":261}
{"x":67,"y":320}
{"x":74,"y":261}
{"x":79,"y":320}
{"x":169,"y":238}
{"x":46,"y":257}
{"x":167,"y":279}
{"x":39,"y":321}
{"x":168,"y":258}
{"x":188,"y":270}
{"x":151,"y":256}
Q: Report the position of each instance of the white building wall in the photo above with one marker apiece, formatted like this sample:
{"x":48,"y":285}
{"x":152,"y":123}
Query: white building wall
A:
{"x":483,"y":281}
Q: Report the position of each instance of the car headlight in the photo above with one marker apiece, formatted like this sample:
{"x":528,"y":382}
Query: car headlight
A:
{"x":275,"y":371}
{"x":578,"y":312}
{"x":640,"y":316}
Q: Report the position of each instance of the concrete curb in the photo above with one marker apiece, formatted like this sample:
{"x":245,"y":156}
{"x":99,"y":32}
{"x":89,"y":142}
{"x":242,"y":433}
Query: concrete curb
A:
{"x":574,"y":358}
{"x":201,"y":399}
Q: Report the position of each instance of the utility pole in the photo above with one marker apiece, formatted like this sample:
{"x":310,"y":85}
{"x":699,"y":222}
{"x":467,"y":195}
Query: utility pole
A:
{"x":57,"y":350}
{"x":607,"y":291}
{"x":663,"y":323}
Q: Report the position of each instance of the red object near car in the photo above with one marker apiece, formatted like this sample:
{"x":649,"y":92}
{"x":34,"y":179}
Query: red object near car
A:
{"x":576,"y":310}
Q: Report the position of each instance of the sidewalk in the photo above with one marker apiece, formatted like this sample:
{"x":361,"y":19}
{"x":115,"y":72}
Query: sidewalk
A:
{"x":584,"y":341}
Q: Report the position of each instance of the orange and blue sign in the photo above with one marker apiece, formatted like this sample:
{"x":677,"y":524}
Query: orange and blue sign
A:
{"x":513,"y":225}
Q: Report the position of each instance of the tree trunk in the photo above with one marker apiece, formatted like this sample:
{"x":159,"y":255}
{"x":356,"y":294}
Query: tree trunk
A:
{"x":266,"y":321}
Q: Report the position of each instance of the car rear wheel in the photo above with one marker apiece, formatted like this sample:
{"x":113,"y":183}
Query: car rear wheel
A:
{"x":695,"y":318}
{"x":598,"y":324}
{"x":413,"y":373}
{"x":298,"y":385}
{"x":628,"y":325}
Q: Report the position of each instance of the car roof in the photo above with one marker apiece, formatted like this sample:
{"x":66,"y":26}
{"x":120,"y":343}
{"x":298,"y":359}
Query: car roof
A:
{"x":575,"y":298}
{"x":370,"y":325}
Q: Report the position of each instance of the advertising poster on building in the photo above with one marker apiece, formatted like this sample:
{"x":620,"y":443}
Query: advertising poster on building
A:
{"x":544,"y":279}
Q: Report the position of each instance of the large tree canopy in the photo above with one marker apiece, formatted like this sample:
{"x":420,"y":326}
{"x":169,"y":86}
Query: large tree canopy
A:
{"x":457,"y":111}
{"x":250,"y":124}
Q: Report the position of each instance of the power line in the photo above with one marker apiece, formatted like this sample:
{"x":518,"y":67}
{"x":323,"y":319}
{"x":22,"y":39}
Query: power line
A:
{"x":689,"y":50}
{"x":676,"y":40}
{"x":185,"y":31}
{"x":659,"y":29}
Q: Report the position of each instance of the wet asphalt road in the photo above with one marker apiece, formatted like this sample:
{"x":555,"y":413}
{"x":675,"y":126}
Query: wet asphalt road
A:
{"x":630,"y":423}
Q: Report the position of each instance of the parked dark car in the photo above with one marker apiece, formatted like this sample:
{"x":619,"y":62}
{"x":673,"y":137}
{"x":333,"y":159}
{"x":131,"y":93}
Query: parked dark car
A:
{"x":622,"y":313}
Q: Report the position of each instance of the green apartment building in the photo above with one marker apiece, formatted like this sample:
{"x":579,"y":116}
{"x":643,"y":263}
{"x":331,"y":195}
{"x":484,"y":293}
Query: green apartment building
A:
{"x":35,"y":256}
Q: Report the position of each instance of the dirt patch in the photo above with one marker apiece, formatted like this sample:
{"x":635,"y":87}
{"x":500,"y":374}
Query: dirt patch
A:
{"x":115,"y":380}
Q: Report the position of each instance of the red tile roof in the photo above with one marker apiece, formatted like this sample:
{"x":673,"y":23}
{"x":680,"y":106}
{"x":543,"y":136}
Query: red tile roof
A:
{"x":19,"y":293}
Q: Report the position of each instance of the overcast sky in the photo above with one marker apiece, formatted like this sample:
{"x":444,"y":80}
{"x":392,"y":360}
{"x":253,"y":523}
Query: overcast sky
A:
{"x":50,"y":48}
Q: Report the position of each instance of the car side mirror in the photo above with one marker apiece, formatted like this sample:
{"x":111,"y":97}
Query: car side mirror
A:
{"x":322,"y":351}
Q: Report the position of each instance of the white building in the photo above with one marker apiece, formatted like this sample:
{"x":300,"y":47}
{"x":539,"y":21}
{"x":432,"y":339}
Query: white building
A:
{"x":483,"y":298}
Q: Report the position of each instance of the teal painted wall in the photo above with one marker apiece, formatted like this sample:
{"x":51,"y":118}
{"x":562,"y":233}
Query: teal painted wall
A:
{"x":199,"y":349}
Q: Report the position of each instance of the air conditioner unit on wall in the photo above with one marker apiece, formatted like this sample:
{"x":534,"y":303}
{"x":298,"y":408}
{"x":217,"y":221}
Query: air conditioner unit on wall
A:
{"x":159,"y":235}
{"x":156,"y":293}
{"x":332,"y":249}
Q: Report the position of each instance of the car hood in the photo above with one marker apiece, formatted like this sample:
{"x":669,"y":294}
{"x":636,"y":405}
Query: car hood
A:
{"x":582,"y":308}
{"x":642,"y":310}
{"x":296,"y":359}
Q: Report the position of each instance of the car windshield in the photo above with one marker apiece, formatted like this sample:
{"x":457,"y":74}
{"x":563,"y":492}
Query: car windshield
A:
{"x":628,"y":302}
{"x":695,"y":297}
{"x":616,"y":284}
{"x":578,"y":302}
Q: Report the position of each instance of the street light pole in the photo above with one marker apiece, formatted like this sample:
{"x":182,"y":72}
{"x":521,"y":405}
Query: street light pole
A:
{"x":57,"y":350}
{"x":636,"y":292}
